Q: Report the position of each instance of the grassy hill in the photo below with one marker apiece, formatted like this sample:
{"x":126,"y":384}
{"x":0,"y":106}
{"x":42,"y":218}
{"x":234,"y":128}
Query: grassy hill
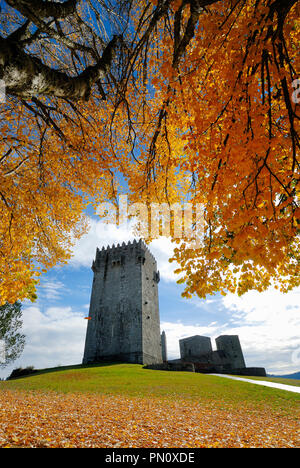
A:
{"x":133,"y":380}
{"x":124,"y":405}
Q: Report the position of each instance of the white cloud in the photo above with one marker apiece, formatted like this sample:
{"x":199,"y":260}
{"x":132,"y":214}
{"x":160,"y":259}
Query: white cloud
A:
{"x":268,"y":325}
{"x":51,"y":290}
{"x":102,"y":234}
{"x":163,"y":249}
{"x":55,"y":337}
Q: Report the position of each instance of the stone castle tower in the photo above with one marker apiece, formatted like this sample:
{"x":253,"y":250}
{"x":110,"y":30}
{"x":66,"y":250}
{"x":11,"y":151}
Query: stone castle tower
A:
{"x":124,"y":313}
{"x":230,"y":344}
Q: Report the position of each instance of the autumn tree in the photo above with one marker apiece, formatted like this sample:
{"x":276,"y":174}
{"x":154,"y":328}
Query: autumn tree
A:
{"x":185,"y":99}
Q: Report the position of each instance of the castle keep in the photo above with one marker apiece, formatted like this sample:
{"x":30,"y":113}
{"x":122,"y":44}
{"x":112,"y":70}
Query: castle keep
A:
{"x":124,"y":313}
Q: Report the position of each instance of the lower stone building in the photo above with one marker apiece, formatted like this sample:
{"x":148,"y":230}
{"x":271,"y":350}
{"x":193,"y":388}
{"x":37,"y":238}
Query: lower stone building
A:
{"x":197,"y":355}
{"x":228,"y":357}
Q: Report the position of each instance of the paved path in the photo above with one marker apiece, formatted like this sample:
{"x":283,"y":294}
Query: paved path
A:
{"x":265,"y":383}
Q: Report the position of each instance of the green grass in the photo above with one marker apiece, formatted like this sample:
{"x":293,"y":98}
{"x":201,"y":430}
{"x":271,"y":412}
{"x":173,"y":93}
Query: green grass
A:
{"x":133,"y":381}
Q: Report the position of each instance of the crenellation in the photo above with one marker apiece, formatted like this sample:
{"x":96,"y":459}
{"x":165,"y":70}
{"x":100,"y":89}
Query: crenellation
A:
{"x":131,"y":249}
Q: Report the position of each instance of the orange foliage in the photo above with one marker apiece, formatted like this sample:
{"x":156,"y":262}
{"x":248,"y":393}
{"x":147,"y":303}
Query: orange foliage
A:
{"x":228,"y":141}
{"x":46,"y":181}
{"x":33,"y":419}
{"x":216,"y":127}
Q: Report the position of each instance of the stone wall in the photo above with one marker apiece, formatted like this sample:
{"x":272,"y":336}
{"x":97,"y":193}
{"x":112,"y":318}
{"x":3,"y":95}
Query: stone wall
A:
{"x":151,"y":338}
{"x":179,"y":366}
{"x":206,"y":368}
{"x":194,"y":346}
{"x":250,"y":371}
{"x":230,"y":344}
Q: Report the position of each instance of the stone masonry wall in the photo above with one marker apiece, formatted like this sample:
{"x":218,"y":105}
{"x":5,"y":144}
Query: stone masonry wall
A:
{"x":194,"y":346}
{"x":230,"y":344}
{"x":151,"y":322}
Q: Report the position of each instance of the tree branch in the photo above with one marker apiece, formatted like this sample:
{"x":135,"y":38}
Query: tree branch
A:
{"x":26,"y":76}
{"x":44,"y":9}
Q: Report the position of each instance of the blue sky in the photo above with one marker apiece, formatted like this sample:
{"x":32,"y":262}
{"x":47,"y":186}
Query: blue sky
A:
{"x":267,"y":323}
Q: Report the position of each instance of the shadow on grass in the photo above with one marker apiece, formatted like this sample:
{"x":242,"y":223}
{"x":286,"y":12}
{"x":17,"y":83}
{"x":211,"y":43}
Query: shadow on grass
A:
{"x":64,"y":368}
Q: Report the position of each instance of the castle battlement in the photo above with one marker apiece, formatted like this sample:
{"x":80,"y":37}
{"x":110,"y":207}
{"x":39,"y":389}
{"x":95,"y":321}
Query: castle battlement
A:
{"x":119,"y":253}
